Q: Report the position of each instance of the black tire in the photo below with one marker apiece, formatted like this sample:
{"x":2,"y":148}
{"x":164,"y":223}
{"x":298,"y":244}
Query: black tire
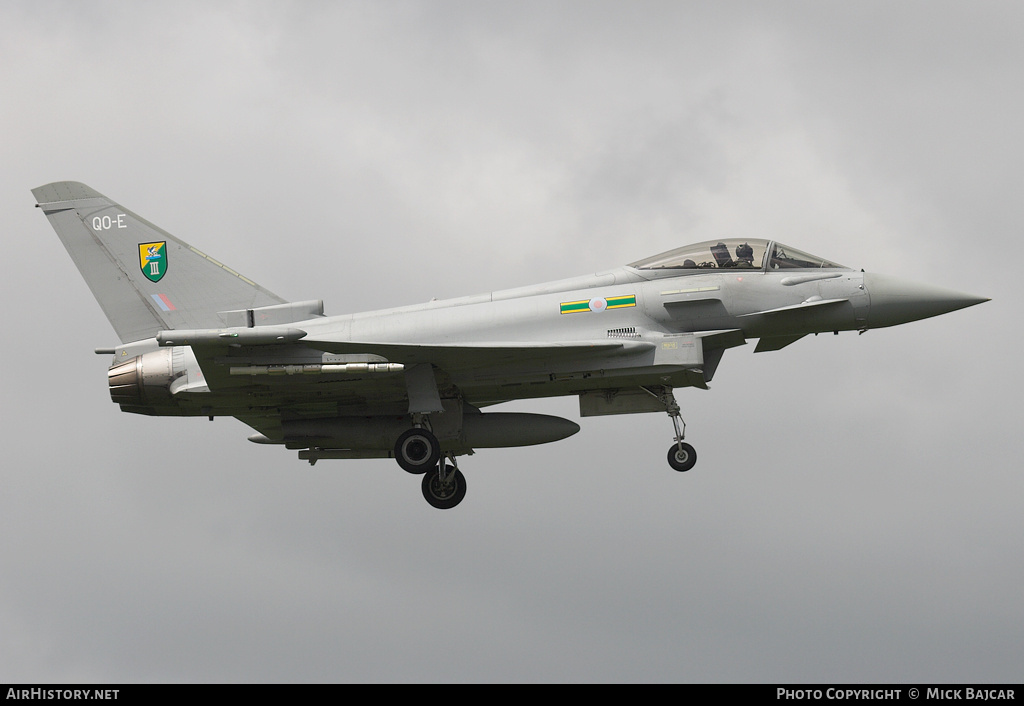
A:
{"x":447,"y":496}
{"x":682,"y":457}
{"x":417,"y":451}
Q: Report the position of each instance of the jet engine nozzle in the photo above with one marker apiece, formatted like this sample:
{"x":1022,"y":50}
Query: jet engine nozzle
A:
{"x":897,"y":301}
{"x":140,"y":383}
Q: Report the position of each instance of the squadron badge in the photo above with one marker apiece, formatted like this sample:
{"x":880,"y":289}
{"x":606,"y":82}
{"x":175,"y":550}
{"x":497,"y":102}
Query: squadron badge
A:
{"x":153,"y":260}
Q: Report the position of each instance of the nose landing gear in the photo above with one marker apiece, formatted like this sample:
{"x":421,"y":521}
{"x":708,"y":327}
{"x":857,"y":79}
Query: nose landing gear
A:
{"x":681,"y":456}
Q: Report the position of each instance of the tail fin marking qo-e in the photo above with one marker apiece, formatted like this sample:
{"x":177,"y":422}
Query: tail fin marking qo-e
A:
{"x":144,"y":278}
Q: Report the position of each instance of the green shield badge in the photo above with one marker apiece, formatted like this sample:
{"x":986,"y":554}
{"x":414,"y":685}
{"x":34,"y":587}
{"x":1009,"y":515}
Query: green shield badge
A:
{"x":153,"y":260}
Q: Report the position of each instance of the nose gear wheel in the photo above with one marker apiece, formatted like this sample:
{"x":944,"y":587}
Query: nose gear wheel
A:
{"x":681,"y":456}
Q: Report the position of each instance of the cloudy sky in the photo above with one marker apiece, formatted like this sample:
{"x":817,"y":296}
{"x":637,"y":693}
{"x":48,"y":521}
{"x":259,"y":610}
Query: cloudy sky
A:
{"x":855,"y":513}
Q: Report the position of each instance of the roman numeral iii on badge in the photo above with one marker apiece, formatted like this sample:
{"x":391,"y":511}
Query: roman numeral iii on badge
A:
{"x":153,"y":260}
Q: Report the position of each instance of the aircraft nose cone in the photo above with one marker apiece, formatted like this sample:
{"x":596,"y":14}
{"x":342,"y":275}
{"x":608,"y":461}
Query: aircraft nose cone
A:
{"x":897,"y":301}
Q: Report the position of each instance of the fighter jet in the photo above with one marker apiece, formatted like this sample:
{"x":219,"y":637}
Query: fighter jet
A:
{"x":413,"y":383}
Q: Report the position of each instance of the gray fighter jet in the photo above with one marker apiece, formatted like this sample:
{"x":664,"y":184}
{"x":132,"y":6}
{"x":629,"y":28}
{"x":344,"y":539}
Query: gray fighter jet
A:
{"x":199,"y":339}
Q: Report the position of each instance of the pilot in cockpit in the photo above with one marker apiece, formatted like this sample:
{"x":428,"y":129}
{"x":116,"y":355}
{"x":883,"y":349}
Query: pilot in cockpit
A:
{"x":744,"y":255}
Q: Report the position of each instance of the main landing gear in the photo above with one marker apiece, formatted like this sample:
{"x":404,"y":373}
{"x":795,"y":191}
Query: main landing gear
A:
{"x":444,"y":487}
{"x":419,"y":452}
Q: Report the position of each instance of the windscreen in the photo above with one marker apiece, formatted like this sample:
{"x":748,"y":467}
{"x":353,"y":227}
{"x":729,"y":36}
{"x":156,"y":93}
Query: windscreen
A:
{"x":784,"y":257}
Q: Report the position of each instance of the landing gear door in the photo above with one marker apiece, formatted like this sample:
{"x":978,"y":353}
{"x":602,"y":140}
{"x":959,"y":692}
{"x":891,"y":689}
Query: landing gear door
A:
{"x":681,"y":350}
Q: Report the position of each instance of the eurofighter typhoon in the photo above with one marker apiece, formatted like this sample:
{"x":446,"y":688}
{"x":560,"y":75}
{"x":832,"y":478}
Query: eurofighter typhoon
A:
{"x":413,"y":383}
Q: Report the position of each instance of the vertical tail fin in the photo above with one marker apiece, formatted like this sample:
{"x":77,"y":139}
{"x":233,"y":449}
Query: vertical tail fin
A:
{"x":144,"y":278}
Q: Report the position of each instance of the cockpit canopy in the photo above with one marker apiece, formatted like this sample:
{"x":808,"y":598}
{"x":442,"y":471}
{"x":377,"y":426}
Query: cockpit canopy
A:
{"x":735,"y":253}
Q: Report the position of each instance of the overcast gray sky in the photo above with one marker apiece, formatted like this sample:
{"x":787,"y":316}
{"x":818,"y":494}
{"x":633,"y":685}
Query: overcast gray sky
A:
{"x":855,"y":513}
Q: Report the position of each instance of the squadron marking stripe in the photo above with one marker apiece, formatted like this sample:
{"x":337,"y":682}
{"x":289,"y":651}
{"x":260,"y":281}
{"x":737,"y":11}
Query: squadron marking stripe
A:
{"x":597,"y":304}
{"x":621,"y":302}
{"x":575,"y":307}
